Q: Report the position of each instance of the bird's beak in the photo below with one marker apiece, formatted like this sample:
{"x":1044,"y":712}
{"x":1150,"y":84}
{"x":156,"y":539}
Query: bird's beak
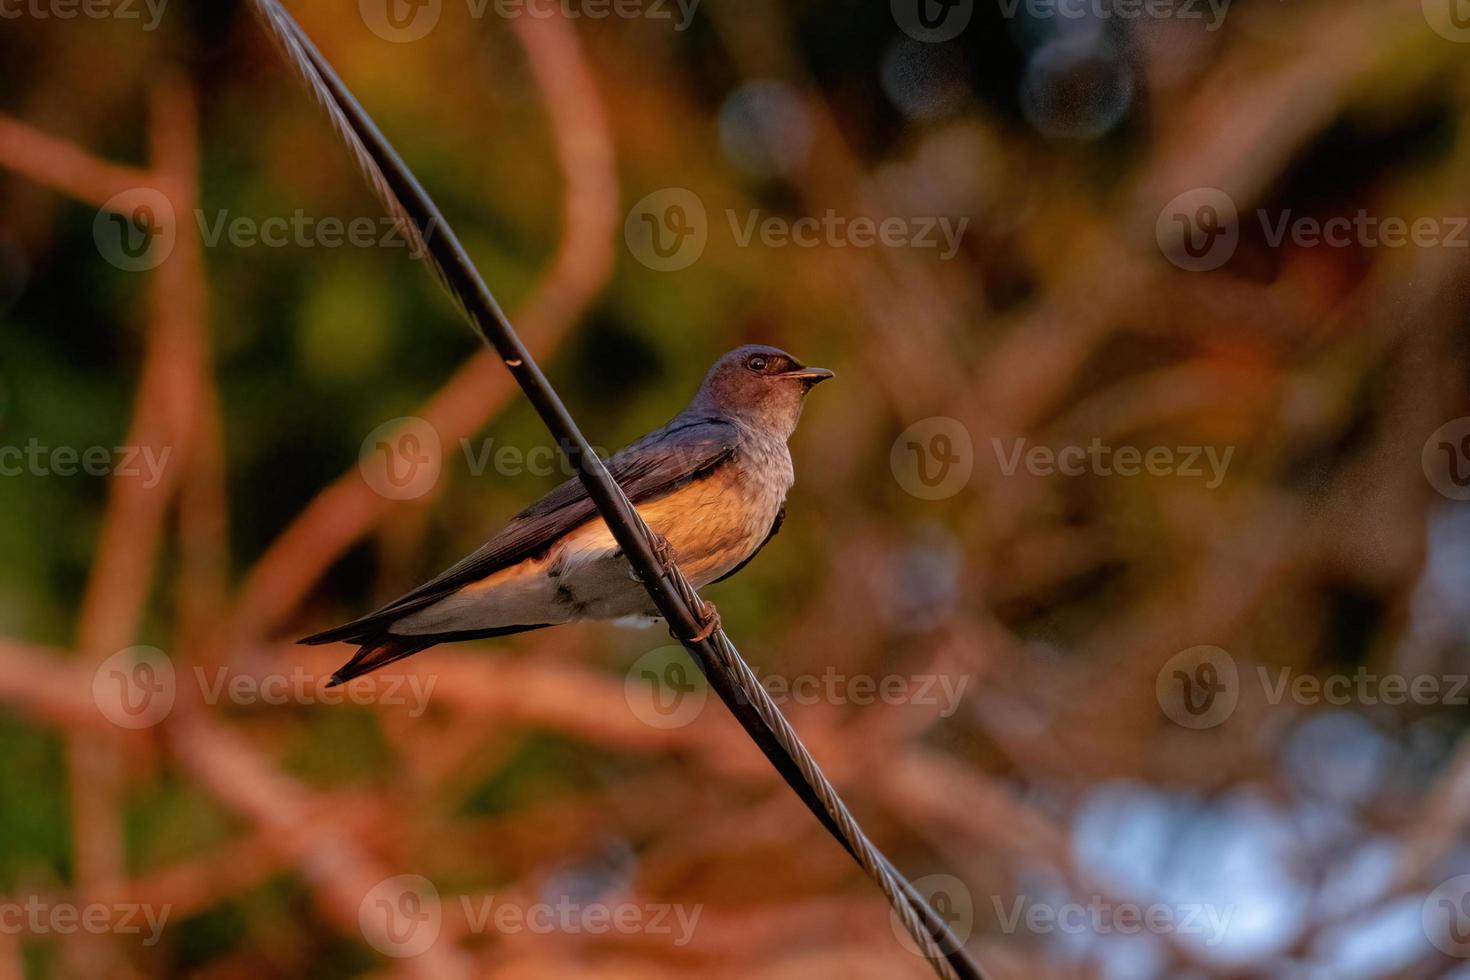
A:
{"x":811,"y":375}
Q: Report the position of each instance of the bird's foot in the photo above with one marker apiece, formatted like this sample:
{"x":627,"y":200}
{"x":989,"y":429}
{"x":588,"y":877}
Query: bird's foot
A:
{"x":709,"y":618}
{"x":662,"y":550}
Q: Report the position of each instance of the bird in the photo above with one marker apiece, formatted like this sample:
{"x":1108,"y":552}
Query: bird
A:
{"x":711,"y":485}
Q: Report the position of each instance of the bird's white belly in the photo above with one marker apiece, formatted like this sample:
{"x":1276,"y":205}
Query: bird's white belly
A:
{"x":712,"y":525}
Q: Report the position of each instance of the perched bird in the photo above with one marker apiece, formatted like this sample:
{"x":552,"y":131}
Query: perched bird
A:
{"x":711,"y":485}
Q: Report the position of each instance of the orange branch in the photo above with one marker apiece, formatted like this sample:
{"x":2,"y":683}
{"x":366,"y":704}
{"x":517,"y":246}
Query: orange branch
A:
{"x":63,"y":166}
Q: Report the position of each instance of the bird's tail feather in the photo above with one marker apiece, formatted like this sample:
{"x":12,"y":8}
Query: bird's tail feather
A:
{"x":379,"y":653}
{"x":385,"y":648}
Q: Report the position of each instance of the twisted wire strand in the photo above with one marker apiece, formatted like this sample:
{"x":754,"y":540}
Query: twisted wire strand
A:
{"x":400,"y":192}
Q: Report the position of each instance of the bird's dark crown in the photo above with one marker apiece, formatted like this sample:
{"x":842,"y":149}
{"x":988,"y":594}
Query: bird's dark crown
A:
{"x":761,"y":385}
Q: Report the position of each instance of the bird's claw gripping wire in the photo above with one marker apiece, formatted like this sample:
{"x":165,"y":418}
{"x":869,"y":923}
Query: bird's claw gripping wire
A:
{"x":663,"y":553}
{"x":709,"y":618}
{"x":662,"y":550}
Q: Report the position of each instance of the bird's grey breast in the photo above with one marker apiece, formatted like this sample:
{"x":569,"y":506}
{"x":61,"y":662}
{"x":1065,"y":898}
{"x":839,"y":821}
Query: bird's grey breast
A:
{"x":765,"y":464}
{"x":720,"y":519}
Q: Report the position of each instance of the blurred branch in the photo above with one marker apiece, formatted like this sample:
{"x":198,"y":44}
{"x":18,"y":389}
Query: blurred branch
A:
{"x":122,"y":570}
{"x":340,"y":874}
{"x":64,"y":167}
{"x":42,"y":683}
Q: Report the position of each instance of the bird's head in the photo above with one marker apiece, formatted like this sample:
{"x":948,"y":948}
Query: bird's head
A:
{"x":760,"y":385}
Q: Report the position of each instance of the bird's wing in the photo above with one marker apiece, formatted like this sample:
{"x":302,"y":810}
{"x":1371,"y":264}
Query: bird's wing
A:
{"x":683,"y":451}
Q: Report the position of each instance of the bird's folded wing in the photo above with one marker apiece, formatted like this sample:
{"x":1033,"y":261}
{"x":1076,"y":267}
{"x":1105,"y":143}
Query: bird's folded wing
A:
{"x":681,"y":452}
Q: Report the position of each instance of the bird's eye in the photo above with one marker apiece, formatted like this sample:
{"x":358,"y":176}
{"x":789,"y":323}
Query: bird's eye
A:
{"x":756,"y":363}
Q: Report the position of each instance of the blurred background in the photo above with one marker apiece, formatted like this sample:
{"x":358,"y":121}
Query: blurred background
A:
{"x":1123,"y":587}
